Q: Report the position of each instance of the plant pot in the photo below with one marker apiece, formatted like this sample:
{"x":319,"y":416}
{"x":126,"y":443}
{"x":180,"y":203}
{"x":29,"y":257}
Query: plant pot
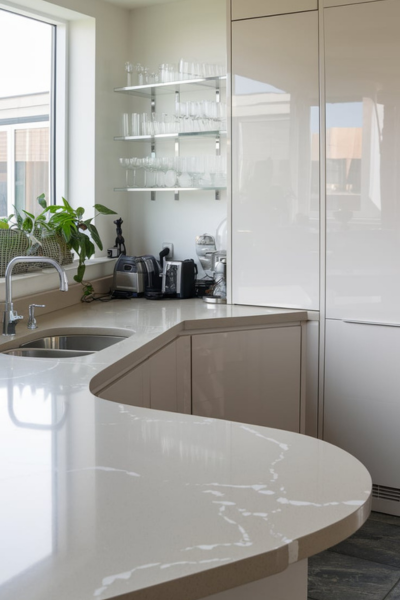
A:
{"x":15,"y":243}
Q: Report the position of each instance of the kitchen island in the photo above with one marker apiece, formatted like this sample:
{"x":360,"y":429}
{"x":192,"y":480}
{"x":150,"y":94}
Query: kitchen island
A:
{"x":104,"y":500}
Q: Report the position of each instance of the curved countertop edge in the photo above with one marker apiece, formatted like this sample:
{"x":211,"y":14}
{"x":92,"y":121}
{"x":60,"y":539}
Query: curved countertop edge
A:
{"x":239,"y":571}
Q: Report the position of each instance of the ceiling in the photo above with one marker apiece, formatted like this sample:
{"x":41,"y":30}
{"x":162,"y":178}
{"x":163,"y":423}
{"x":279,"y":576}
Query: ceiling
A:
{"x":137,"y":3}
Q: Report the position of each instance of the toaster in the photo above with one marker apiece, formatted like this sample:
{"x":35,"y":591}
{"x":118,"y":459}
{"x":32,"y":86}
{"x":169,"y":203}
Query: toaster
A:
{"x":178,"y":278}
{"x":130,"y":277}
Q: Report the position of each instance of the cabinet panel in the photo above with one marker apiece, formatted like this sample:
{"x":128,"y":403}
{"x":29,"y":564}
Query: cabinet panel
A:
{"x":248,"y":376}
{"x":330,"y":3}
{"x":275,"y":186}
{"x":166,"y":393}
{"x":363,"y":161}
{"x":132,"y":388}
{"x":362,"y":408}
{"x":162,"y":382}
{"x":245,"y":9}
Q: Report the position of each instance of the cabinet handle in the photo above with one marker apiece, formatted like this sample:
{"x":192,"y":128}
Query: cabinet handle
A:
{"x":358,"y":322}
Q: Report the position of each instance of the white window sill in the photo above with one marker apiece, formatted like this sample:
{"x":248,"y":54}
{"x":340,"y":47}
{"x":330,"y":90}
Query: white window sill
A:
{"x":26,"y":284}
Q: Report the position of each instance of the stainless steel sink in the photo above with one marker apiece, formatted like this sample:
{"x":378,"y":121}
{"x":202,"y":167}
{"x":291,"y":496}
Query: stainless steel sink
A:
{"x":65,"y":346}
{"x":83,"y":343}
{"x":45,"y":353}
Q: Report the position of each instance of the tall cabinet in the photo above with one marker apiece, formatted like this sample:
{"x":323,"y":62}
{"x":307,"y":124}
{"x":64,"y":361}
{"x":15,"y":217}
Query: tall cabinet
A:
{"x":275,"y":141}
{"x":352,"y":271}
{"x":362,"y":402}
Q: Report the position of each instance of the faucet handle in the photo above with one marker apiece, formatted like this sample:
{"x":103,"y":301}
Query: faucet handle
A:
{"x":32,"y":320}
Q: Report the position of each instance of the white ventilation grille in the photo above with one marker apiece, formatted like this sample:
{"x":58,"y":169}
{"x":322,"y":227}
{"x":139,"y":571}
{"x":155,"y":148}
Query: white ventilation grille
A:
{"x":385,"y":493}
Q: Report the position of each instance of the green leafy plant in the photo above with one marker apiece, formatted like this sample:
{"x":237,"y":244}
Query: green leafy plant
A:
{"x":69,"y":223}
{"x":5,"y":222}
{"x":60,"y":220}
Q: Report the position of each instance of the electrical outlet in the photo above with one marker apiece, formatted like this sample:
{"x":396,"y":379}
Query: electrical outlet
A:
{"x":170,"y":246}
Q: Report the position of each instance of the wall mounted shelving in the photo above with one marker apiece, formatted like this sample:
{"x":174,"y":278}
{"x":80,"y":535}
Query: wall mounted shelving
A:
{"x":151,"y":91}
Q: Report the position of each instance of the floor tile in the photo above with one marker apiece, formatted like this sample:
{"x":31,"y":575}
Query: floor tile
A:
{"x":376,"y":516}
{"x":394,"y":594}
{"x":376,"y":541}
{"x":334,"y":576}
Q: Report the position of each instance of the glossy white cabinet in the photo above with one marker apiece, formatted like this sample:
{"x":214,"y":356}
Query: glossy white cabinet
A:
{"x":275,"y":166}
{"x":362,"y":407}
{"x":247,"y":9}
{"x":248,"y":376}
{"x":162,"y":382}
{"x":363,"y":161}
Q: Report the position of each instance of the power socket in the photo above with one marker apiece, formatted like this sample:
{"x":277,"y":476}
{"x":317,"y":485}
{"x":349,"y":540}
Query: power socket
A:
{"x":170,"y":247}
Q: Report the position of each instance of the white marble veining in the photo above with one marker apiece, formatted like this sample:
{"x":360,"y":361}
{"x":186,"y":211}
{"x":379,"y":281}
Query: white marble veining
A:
{"x":99,"y":499}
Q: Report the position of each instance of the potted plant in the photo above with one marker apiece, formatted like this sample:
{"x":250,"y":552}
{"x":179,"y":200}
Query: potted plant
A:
{"x":64,"y":224}
{"x":70,"y":224}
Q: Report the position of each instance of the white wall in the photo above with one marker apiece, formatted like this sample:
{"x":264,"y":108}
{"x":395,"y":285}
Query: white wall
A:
{"x":194,"y":30}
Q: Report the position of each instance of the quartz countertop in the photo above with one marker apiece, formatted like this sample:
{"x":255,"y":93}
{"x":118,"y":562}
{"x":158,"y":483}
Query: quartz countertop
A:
{"x":101,"y":500}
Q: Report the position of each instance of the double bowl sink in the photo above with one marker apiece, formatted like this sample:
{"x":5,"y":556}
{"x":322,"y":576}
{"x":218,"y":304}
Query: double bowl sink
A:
{"x":65,"y":346}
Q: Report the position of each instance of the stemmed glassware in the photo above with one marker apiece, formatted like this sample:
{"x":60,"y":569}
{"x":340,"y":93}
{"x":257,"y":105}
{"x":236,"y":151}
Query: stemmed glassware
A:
{"x":178,"y":171}
{"x":169,"y":72}
{"x":128,"y":69}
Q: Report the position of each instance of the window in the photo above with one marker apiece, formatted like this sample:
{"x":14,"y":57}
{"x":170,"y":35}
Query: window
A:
{"x":26,"y":115}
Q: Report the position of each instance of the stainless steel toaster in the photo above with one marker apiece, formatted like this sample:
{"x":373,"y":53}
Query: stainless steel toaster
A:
{"x":130,"y":276}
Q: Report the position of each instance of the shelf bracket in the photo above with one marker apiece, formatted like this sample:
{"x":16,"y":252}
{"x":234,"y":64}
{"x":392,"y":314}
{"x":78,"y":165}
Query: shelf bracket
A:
{"x":177,"y":150}
{"x":218,"y":153}
{"x":153,"y":144}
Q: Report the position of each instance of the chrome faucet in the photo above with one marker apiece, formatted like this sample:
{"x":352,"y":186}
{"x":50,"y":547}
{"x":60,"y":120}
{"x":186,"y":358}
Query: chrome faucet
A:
{"x":11,"y":317}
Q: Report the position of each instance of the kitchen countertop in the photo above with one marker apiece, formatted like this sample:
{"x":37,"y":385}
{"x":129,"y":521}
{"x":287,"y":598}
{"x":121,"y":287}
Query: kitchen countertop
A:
{"x":100,"y":499}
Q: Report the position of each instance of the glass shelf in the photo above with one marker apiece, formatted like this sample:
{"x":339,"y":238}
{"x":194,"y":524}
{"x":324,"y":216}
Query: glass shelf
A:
{"x":162,"y":136}
{"x":171,"y":189}
{"x":153,"y":89}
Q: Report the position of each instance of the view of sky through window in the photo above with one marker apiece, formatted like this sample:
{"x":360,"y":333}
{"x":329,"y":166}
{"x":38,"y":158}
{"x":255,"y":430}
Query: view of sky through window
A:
{"x":25,"y":98}
{"x":26,"y":43}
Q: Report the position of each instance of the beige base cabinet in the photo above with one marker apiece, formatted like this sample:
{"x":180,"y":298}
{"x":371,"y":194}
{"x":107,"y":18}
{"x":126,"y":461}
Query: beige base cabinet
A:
{"x":249,"y":9}
{"x":161,"y":382}
{"x":249,"y":376}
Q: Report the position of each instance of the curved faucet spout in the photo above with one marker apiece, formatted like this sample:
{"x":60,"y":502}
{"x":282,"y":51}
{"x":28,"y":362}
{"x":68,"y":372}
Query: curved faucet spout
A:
{"x":10,"y":316}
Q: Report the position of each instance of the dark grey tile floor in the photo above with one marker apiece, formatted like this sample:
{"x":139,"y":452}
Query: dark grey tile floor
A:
{"x":364,"y":567}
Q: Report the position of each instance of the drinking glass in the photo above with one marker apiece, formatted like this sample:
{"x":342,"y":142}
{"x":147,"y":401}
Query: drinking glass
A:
{"x":125,"y":124}
{"x":128,"y":69}
{"x":139,"y":71}
{"x":135,"y":124}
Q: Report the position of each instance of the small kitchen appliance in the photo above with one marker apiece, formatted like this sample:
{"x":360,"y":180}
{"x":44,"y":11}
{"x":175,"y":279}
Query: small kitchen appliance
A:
{"x":178,"y":278}
{"x":130,"y":277}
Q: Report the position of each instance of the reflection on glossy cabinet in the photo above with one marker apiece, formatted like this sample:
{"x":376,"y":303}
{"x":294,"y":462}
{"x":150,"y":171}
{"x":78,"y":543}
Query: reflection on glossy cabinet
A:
{"x":275,"y":141}
{"x":248,"y":376}
{"x":162,"y":382}
{"x":363,"y":161}
{"x":362,"y":408}
{"x":247,"y":9}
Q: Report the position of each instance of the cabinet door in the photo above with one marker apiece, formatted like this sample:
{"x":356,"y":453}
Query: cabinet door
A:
{"x":248,"y":376}
{"x":246,"y":9}
{"x":170,"y":382}
{"x":131,"y":388}
{"x":362,"y":408}
{"x":363,"y":161}
{"x":329,"y":3}
{"x":275,"y":184}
